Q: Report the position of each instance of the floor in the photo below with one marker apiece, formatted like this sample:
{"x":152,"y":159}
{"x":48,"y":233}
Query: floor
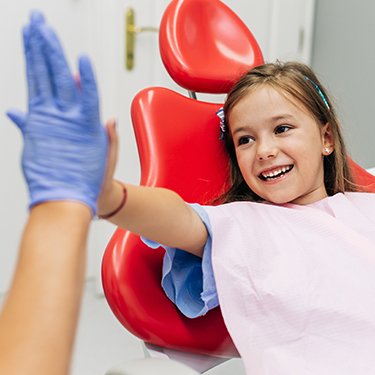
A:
{"x":102,"y":342}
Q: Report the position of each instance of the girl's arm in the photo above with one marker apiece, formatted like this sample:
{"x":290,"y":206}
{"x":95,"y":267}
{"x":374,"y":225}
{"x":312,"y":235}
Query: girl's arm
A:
{"x":158,"y":214}
{"x":38,"y":321}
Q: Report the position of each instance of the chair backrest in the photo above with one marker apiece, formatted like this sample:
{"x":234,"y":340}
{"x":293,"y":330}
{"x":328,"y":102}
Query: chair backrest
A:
{"x":205,"y":46}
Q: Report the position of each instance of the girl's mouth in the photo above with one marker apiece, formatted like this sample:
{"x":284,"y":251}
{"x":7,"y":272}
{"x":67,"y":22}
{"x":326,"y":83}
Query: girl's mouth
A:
{"x":275,"y":173}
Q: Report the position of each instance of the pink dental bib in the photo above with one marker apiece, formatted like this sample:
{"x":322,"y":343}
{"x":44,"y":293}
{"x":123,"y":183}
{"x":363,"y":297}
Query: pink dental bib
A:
{"x":296,"y":284}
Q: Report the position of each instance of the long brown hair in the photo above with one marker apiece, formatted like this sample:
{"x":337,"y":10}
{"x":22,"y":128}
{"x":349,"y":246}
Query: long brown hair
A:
{"x":300,"y":82}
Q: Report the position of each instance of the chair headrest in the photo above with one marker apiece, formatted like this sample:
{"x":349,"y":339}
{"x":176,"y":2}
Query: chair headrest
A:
{"x":205,"y":46}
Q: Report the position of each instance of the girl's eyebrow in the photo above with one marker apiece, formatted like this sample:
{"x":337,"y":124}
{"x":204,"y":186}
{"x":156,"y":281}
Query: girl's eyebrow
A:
{"x":241,"y":128}
{"x":281,"y":117}
{"x":286,"y":116}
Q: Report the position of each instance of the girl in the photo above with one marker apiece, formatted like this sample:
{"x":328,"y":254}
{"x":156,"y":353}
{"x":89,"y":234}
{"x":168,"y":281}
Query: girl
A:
{"x":291,"y":252}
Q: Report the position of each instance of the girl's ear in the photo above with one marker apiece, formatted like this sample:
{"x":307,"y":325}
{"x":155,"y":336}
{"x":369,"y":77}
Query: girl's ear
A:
{"x":328,"y":144}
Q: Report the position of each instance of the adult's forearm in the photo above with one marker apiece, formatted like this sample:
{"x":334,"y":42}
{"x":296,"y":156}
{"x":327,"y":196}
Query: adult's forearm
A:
{"x":39,"y":318}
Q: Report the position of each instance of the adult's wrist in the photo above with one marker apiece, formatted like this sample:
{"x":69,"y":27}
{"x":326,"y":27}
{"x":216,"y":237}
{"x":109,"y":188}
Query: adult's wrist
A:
{"x":64,"y":211}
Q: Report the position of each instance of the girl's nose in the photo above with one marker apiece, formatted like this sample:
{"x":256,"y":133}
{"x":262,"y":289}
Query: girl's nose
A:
{"x":266,"y":150}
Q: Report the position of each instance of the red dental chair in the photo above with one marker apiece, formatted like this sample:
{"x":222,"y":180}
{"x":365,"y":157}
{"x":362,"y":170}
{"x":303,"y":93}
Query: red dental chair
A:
{"x":204,"y":47}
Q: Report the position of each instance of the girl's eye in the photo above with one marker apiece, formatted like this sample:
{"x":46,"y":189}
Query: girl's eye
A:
{"x":245,"y":140}
{"x":282,"y":129}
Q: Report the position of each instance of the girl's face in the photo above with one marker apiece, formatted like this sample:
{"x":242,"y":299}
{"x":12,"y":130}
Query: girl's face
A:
{"x":279,"y":147}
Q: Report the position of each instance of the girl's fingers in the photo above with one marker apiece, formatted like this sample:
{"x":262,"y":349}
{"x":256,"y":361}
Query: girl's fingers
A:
{"x":111,"y":164}
{"x":112,"y":149}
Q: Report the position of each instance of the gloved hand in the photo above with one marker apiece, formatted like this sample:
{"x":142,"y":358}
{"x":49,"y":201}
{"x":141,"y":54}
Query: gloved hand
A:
{"x":65,"y":145}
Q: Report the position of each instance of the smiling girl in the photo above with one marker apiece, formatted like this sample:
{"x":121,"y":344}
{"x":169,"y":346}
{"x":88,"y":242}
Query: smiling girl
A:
{"x":290,"y":251}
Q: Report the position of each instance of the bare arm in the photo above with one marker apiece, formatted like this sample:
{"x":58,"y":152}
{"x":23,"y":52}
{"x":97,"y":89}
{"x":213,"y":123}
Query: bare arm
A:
{"x":162,"y":216}
{"x":39,"y":318}
{"x":155,"y":213}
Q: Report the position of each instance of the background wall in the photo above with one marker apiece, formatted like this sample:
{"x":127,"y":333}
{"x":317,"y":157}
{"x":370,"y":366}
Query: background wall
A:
{"x":344,"y":55}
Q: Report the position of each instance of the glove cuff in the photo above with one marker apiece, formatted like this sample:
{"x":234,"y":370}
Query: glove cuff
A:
{"x":62,"y":195}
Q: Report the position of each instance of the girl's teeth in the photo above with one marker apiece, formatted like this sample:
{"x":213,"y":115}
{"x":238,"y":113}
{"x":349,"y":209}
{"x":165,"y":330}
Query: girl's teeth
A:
{"x":276,"y":173}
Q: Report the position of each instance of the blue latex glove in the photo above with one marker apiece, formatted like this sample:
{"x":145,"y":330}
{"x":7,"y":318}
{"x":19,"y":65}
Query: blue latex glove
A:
{"x":65,"y":145}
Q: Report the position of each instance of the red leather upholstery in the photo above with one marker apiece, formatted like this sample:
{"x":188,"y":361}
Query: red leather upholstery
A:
{"x":364,"y":180}
{"x":205,"y":46}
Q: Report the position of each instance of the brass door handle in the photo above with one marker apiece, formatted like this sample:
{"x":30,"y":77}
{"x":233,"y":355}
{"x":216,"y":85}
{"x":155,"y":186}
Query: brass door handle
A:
{"x":130,"y":32}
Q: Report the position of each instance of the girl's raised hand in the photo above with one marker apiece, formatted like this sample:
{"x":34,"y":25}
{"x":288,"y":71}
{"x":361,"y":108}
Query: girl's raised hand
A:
{"x":108,"y":198}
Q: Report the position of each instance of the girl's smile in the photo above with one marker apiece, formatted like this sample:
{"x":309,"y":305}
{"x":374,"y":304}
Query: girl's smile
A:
{"x":275,"y":173}
{"x":279,"y":147}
